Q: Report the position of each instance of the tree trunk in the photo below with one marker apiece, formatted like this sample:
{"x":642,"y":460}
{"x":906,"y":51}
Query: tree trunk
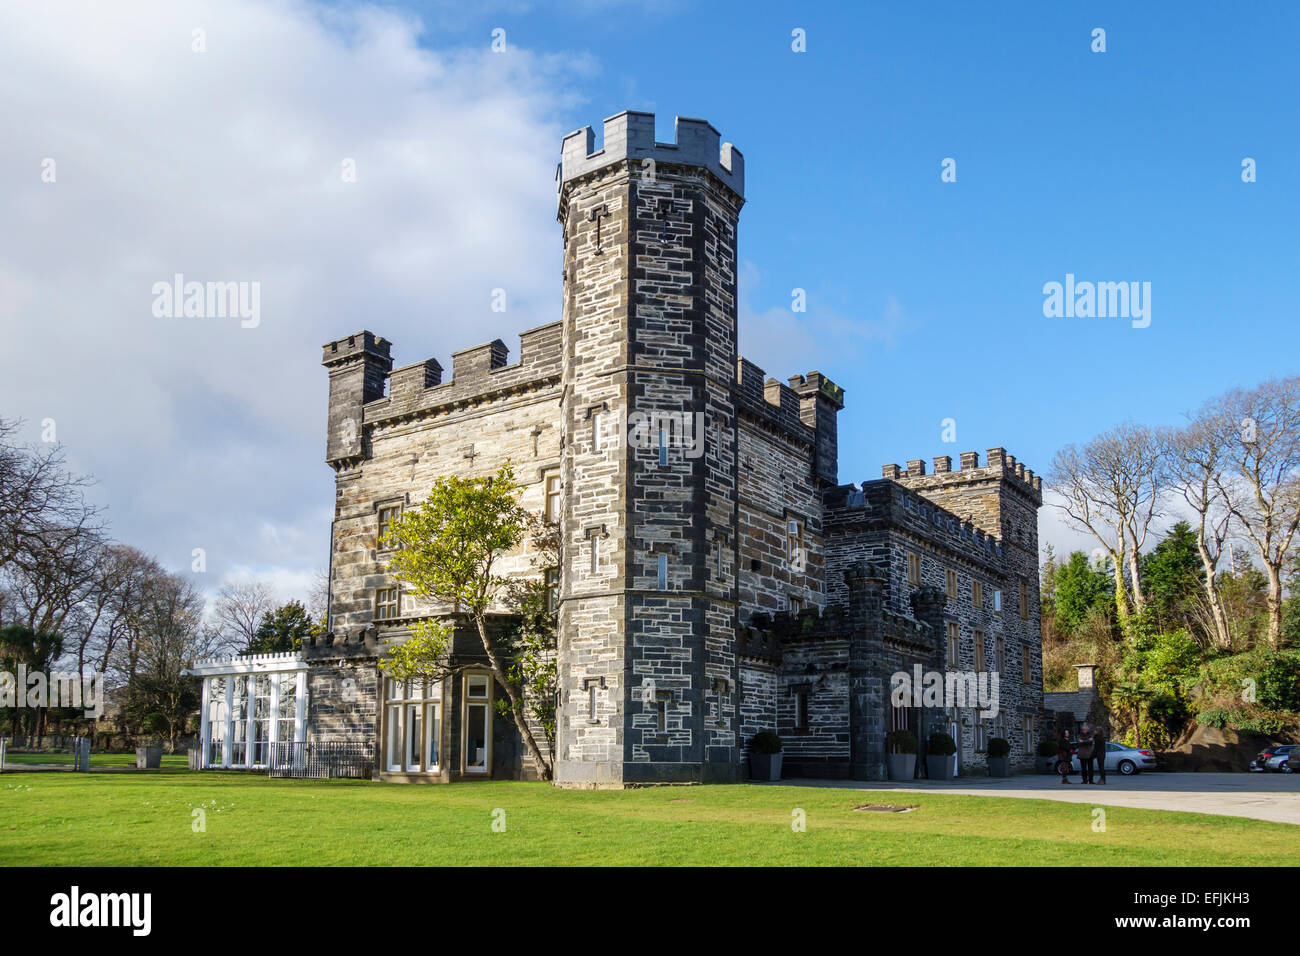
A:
{"x":1274,"y":605}
{"x":1121,"y":594}
{"x":1139,"y":602}
{"x":516,"y":707}
{"x":1222,"y":635}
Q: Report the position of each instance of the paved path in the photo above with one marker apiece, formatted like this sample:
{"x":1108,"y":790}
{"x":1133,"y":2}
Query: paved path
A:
{"x":1262,"y":796}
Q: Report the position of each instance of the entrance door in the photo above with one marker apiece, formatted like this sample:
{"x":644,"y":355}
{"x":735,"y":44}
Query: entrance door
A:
{"x":476,"y":727}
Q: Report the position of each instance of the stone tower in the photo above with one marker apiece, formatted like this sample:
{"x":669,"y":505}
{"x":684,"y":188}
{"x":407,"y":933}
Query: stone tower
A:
{"x":648,"y":617}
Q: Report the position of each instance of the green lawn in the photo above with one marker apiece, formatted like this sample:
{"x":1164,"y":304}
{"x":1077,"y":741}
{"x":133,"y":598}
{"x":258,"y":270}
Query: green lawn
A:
{"x":177,"y":761}
{"x":146,"y":819}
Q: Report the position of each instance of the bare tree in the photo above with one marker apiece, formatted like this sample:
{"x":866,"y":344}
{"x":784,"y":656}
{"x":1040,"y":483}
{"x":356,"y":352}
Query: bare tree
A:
{"x":1111,"y":487}
{"x":1261,"y":480}
{"x":238,"y":611}
{"x":1194,"y":458}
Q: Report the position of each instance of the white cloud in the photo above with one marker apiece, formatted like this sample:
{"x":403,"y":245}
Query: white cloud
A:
{"x":227,"y":165}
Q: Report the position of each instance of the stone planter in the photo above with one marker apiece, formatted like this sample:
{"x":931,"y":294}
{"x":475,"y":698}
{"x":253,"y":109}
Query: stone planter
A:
{"x":940,"y":768}
{"x":765,"y":766}
{"x":148,"y":758}
{"x":999,"y":767}
{"x":901,"y":766}
{"x":1044,"y":764}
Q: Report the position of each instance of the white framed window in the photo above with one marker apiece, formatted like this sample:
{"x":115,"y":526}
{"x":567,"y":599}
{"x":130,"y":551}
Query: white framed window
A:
{"x":551,"y":577}
{"x":551,"y":508}
{"x":597,"y":431}
{"x":476,"y":725}
{"x":413,"y":714}
{"x":387,"y":513}
{"x":794,"y":543}
{"x":387,"y":603}
{"x":997,"y":600}
{"x":595,"y":552}
{"x":663,"y":443}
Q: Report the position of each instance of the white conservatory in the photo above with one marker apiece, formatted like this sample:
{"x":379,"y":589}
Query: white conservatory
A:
{"x":254,"y":710}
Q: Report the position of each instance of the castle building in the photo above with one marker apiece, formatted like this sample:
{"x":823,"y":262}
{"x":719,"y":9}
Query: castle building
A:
{"x":715,"y":578}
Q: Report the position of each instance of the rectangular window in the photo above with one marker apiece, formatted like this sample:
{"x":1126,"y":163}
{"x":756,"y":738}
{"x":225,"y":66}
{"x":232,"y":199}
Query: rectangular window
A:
{"x":801,"y":709}
{"x":979,"y":651}
{"x":1027,"y":728}
{"x":663,"y":443}
{"x":595,"y":552}
{"x":997,"y":601}
{"x":412,"y":713}
{"x":386,"y":603}
{"x":551,"y":577}
{"x":794,"y":543}
{"x":952,"y":643}
{"x":552,"y":507}
{"x":981,"y":734}
{"x":1026,"y":664}
{"x":261,"y":718}
{"x":239,"y":723}
{"x":977,"y":595}
{"x":478,"y":724}
{"x":913,"y":569}
{"x":1024,"y":600}
{"x":386,"y":516}
{"x":950,"y":582}
{"x":217,"y":722}
{"x":663,"y":572}
{"x":597,"y":431}
{"x":591,"y":703}
{"x":999,"y":655}
{"x":796,"y":604}
{"x":717,"y":557}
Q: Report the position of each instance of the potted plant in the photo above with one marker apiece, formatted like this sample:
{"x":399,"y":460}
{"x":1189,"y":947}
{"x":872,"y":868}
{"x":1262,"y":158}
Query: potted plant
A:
{"x":938,"y":755}
{"x":902,"y":755}
{"x":999,"y":751}
{"x":1045,"y":762}
{"x":765,"y":756}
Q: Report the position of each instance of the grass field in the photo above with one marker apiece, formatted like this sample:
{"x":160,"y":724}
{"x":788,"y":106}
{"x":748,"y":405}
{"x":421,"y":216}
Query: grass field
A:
{"x":147,"y":818}
{"x":175,"y":761}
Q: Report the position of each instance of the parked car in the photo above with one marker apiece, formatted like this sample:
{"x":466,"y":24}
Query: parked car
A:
{"x":1119,"y":759}
{"x":1277,"y":758}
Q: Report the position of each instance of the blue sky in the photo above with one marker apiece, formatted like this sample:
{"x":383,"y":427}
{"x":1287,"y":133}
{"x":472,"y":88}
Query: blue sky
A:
{"x":1116,"y":166}
{"x":925,"y":298}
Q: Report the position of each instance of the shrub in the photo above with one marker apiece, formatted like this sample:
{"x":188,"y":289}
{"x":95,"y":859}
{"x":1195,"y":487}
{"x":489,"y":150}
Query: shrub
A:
{"x":766,"y":742}
{"x":903,"y":742}
{"x":1046,"y":748}
{"x":941,"y":745}
{"x":999,"y":747}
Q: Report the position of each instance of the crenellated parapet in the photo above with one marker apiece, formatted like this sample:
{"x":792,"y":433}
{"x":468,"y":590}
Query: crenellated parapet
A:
{"x":630,"y":137}
{"x":804,"y":409}
{"x":886,"y":504}
{"x":1000,"y":467}
{"x":478,"y":374}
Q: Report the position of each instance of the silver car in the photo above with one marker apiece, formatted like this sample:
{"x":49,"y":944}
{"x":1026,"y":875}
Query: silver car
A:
{"x":1119,"y":759}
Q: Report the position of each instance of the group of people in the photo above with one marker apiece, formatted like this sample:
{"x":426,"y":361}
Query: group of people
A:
{"x":1090,"y":745}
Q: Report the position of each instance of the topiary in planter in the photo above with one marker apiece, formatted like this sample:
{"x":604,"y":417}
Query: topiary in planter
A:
{"x":902,"y":742}
{"x":999,"y":750}
{"x":766,"y":742}
{"x":939,"y":749}
{"x":1046,"y":760}
{"x":901,"y":757}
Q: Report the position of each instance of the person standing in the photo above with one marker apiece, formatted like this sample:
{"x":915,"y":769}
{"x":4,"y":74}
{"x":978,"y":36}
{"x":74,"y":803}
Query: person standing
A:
{"x":1085,"y":752}
{"x":1063,"y":756}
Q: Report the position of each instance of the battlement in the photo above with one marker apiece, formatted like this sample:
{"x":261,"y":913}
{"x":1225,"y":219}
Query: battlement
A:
{"x":354,"y":347}
{"x":476,"y":372}
{"x":1000,"y":467}
{"x":630,"y":135}
{"x":886,"y":503}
